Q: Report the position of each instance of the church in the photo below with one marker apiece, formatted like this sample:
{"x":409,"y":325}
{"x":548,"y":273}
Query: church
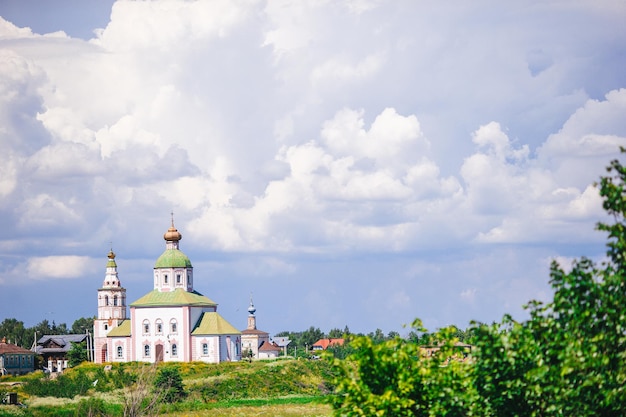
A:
{"x":173,"y":322}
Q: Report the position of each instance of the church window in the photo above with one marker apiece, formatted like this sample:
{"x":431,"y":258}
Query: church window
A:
{"x":178,"y":278}
{"x":165,"y":278}
{"x":115,"y":300}
{"x":146,"y":327}
{"x":205,"y":349}
{"x":173,"y":326}
{"x":174,"y":350}
{"x":159,"y":326}
{"x":146,"y":350}
{"x":106,"y":300}
{"x":106,"y":326}
{"x":120,"y":352}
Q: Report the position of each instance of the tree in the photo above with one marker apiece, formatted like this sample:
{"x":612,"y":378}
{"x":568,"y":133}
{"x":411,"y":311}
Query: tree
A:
{"x":247,"y":354}
{"x":77,"y":354}
{"x":16,"y":333}
{"x":82,"y":325}
{"x":335,"y":333}
{"x":169,"y":382}
{"x":396,"y":378}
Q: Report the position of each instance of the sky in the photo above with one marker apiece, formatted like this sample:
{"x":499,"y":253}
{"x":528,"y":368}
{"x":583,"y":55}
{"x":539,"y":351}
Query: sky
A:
{"x":355,"y":163}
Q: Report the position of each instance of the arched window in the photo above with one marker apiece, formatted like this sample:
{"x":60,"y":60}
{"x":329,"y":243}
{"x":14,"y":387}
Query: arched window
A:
{"x":106,"y":300}
{"x":165,"y":278}
{"x":177,"y":278}
{"x":120,"y":352}
{"x":146,"y":350}
{"x":146,"y":327}
{"x":205,"y":349}
{"x":173,"y":326}
{"x":159,"y":326}
{"x":174,"y":350}
{"x":115,"y":300}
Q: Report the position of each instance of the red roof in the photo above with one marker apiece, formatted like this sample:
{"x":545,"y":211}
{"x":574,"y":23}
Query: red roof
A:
{"x":11,"y":348}
{"x":324,"y":343}
{"x":269,"y":347}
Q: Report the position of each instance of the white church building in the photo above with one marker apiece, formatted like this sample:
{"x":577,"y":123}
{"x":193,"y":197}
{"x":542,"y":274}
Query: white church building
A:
{"x":170,"y":323}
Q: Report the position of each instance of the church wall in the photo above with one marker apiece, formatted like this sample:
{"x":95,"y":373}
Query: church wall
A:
{"x":174,"y":342}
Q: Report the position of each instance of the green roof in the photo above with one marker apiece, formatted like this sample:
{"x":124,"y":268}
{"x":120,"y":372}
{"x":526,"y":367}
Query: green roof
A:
{"x":123,"y":330}
{"x":178,"y":297}
{"x":211,"y":323}
{"x":173,"y":258}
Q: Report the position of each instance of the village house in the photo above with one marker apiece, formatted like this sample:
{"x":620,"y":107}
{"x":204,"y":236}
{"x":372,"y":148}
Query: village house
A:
{"x":324,"y":344}
{"x":15,"y":360}
{"x":54,"y":349}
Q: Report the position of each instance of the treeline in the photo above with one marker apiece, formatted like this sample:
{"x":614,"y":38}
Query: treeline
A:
{"x":15,"y":332}
{"x":305,"y":339}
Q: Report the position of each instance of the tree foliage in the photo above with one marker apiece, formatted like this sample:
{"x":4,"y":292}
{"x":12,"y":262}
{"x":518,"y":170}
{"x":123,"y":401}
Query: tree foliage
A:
{"x":169,"y":384}
{"x":567,"y":359}
{"x":77,"y":354}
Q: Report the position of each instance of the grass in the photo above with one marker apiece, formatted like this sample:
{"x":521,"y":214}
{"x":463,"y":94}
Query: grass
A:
{"x":290,"y":388}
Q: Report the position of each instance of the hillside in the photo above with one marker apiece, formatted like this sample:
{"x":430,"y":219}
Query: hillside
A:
{"x":283,"y":387}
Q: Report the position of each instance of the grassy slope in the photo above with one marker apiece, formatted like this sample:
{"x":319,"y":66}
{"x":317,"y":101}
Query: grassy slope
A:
{"x":277,"y":388}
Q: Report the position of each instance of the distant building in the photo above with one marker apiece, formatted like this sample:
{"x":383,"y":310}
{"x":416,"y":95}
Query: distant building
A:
{"x":324,"y":344}
{"x":54,"y":349}
{"x":257,"y":341}
{"x":15,"y":360}
{"x":281,"y":342}
{"x":171,"y":323}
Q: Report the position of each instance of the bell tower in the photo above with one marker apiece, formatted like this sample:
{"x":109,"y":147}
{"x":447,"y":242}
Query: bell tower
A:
{"x":111,"y":308}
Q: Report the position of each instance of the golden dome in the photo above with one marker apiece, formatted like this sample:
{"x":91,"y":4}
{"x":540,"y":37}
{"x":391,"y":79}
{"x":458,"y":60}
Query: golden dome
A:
{"x":172,"y":234}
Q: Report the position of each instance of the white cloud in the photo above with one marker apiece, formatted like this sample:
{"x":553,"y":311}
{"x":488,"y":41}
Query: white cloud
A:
{"x":58,"y":267}
{"x":320,"y":129}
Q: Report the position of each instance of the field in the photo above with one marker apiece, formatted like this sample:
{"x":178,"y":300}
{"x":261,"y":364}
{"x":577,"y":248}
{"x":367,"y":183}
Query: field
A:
{"x":286,"y":388}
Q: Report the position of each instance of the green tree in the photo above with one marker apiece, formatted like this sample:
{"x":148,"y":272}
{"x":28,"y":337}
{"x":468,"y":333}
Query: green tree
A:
{"x":335,"y":333}
{"x":169,"y":384}
{"x":15,"y":332}
{"x":396,"y":378}
{"x":82,"y":325}
{"x":77,"y":354}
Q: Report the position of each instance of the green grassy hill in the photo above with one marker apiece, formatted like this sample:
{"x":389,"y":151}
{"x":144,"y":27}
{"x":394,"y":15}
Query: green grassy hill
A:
{"x":281,"y":387}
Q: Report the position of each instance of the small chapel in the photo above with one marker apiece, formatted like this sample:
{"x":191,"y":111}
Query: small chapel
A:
{"x":173,"y":322}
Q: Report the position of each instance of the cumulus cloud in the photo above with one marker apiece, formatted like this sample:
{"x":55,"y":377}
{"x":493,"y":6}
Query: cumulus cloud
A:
{"x":316,"y":129}
{"x":58,"y":267}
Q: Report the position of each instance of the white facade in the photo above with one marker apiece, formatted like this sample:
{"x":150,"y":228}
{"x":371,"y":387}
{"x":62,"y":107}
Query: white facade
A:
{"x":170,"y":323}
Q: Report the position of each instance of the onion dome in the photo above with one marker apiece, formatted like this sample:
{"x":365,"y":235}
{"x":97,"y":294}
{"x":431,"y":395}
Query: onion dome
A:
{"x":172,"y":234}
{"x":251,"y":309}
{"x":111,"y":262}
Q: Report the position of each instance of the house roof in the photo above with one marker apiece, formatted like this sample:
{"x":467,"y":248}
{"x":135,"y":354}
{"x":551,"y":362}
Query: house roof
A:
{"x":281,"y":341}
{"x":178,"y":297}
{"x":325,"y":343}
{"x":254,"y":331}
{"x":122,"y":330}
{"x":58,"y":343}
{"x":11,"y":348}
{"x":269,"y":347}
{"x":211,"y":323}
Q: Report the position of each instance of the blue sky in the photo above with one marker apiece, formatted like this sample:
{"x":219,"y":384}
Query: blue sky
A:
{"x":357,"y":163}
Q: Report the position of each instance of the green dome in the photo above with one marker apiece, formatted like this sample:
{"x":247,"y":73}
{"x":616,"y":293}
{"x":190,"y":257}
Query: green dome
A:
{"x":173,"y":258}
